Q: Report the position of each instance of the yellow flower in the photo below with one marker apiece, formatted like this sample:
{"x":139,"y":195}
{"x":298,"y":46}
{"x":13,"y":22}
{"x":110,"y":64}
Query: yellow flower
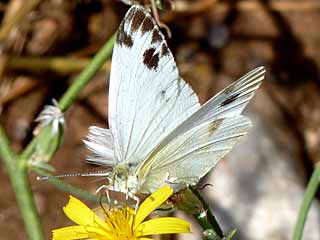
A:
{"x":120,"y":223}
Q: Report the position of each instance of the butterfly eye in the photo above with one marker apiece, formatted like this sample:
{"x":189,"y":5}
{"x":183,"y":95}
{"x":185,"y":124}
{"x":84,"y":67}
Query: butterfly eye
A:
{"x":132,"y":166}
{"x":121,"y":176}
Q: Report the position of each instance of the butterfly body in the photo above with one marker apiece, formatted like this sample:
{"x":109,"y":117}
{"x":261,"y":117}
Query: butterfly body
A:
{"x":159,"y":134}
{"x":123,"y":179}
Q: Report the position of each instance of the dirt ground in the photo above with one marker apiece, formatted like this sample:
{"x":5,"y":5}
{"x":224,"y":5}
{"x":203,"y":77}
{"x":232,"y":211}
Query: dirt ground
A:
{"x":214,"y":42}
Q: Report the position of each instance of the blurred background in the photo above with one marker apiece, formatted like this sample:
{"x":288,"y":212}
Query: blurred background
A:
{"x":257,"y":188}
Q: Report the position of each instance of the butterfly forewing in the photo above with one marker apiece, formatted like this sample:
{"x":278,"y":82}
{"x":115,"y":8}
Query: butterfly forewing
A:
{"x":147,"y":98}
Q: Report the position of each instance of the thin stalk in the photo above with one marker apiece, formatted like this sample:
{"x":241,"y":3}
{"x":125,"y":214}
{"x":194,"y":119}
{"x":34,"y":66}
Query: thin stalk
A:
{"x":207,"y":221}
{"x":17,"y":170}
{"x":80,"y":82}
{"x":15,"y":18}
{"x":20,"y":183}
{"x":313,"y":186}
{"x":56,"y":64}
{"x":191,"y":202}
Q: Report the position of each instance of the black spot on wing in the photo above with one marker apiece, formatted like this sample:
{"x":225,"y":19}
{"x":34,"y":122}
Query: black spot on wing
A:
{"x":123,"y":38}
{"x":163,"y":96}
{"x":229,"y":100}
{"x":150,"y":59}
{"x":214,"y":126}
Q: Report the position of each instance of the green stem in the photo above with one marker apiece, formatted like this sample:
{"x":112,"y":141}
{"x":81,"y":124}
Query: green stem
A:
{"x":207,"y":221}
{"x":313,"y":185}
{"x":19,"y":178}
{"x":191,"y":202}
{"x":80,"y":82}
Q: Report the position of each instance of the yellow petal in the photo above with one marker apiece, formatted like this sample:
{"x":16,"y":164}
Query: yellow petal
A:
{"x":151,"y":203}
{"x":77,"y":232}
{"x":165,"y":225}
{"x":79,"y":213}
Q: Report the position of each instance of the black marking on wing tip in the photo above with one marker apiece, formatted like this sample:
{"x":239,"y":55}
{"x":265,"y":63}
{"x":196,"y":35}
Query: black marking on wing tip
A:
{"x":130,"y":14}
{"x":147,"y":25}
{"x":164,"y":50}
{"x":229,"y":100}
{"x":137,"y":19}
{"x":156,"y":36}
{"x":150,"y":59}
{"x":123,"y":38}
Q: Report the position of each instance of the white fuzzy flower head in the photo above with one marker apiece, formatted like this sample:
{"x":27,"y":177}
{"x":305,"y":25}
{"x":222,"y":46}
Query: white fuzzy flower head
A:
{"x":50,"y":115}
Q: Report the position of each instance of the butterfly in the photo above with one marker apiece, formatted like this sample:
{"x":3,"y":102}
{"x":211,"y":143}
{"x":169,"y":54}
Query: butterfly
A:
{"x":159,"y":134}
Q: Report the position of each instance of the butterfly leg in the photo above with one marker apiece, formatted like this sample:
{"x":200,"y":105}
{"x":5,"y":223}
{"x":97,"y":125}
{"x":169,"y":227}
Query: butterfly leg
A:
{"x":107,"y":188}
{"x":108,"y":197}
{"x":134,"y":197}
{"x":102,"y":187}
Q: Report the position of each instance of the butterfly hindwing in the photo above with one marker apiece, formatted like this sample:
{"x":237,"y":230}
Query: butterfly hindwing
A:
{"x":99,"y":142}
{"x":183,"y":149}
{"x":191,"y":155}
{"x":229,"y":102}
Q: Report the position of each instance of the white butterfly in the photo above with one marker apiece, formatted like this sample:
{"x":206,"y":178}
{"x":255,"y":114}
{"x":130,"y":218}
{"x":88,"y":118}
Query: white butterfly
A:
{"x":159,"y":134}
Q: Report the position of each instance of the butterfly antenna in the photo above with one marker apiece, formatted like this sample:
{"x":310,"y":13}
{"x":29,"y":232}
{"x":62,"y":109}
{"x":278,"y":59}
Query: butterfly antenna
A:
{"x":87,"y":174}
{"x":204,"y":186}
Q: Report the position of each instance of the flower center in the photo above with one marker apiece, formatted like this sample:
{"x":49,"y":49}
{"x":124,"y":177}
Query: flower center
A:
{"x":120,"y":220}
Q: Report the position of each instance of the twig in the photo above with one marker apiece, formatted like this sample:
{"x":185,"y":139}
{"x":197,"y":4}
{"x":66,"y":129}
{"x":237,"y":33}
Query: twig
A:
{"x":189,"y":9}
{"x":19,"y":178}
{"x":283,"y":5}
{"x":245,"y":5}
{"x":56,"y":64}
{"x":17,"y":89}
{"x":157,"y":18}
{"x":313,"y":186}
{"x":14,"y":18}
